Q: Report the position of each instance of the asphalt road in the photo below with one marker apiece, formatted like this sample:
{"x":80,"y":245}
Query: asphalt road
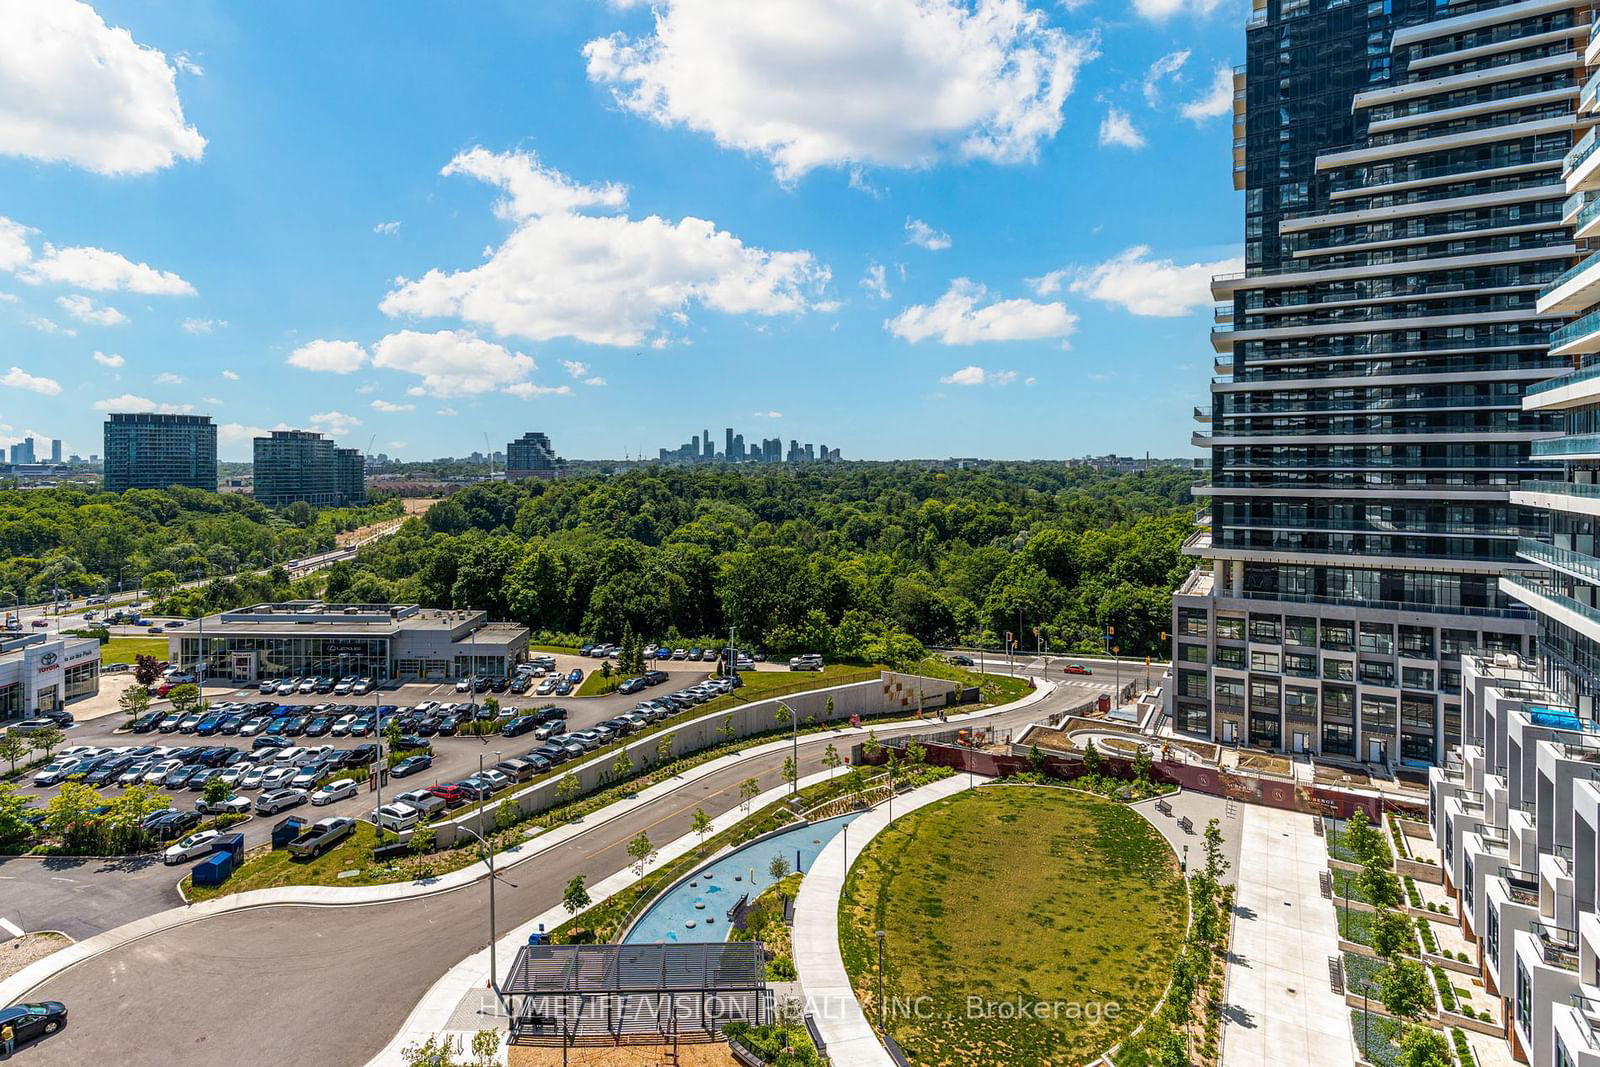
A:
{"x":332,"y":985}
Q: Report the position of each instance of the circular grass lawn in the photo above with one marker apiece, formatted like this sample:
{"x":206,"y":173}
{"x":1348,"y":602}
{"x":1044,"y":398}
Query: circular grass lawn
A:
{"x":1024,"y":925}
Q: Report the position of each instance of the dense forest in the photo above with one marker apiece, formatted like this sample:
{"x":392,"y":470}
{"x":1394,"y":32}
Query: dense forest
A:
{"x":85,"y":541}
{"x":852,"y":560}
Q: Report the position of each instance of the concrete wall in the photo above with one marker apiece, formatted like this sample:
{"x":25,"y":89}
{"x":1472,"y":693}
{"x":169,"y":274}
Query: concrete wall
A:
{"x":890,"y":693}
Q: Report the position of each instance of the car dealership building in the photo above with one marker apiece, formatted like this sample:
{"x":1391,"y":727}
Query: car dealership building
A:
{"x":42,"y":672}
{"x":380,"y":641}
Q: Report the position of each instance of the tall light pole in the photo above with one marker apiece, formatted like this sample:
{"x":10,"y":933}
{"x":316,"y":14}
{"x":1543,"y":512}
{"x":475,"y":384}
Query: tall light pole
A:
{"x":881,"y":936}
{"x":794,"y":725}
{"x":488,"y":858}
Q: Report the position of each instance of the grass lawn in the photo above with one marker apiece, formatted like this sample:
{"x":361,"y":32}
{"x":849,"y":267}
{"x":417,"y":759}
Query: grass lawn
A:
{"x":1008,"y":895}
{"x":1379,"y":1034}
{"x":594,"y":685}
{"x":269,"y":870}
{"x":124,"y":649}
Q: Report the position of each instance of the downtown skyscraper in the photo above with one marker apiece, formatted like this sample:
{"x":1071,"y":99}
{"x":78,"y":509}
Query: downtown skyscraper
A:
{"x":1404,"y":208}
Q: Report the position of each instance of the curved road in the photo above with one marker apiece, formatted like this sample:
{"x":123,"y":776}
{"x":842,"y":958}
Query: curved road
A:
{"x":332,"y":985}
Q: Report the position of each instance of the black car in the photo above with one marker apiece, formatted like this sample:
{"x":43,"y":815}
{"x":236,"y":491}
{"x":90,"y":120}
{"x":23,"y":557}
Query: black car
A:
{"x":520,"y":725}
{"x":30,"y":1022}
{"x":500,"y":685}
{"x":960,"y":660}
{"x":551,"y":752}
{"x":447,"y":726}
{"x":360,"y":756}
{"x":230,"y":723}
{"x":318,"y":726}
{"x":654,"y":677}
{"x":551,"y":713}
{"x":411,"y":743}
{"x":148,"y":721}
{"x":481,"y":685}
{"x":265,"y":742}
{"x":297,"y":725}
{"x":428,"y":727}
{"x":173,"y":825}
{"x":108,"y":771}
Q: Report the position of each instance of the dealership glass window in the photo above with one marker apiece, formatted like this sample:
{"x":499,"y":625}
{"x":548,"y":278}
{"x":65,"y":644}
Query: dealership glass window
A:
{"x":1339,"y":670}
{"x":1338,"y":739}
{"x":1263,"y":661}
{"x":1191,"y":653}
{"x":1230,"y":629}
{"x":279,"y":657}
{"x":82,"y":680}
{"x":1192,"y":684}
{"x":1230,"y":657}
{"x":1192,"y":622}
{"x":10,"y":702}
{"x":1377,"y":637}
{"x":1300,"y":631}
{"x":1266,"y":629}
{"x":1301,"y":663}
{"x":1338,"y":636}
{"x":1416,"y":677}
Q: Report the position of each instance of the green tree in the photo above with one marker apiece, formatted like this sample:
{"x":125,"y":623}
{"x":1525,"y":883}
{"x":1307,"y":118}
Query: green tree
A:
{"x":185,"y":698}
{"x":14,"y":830}
{"x":827,"y":710}
{"x":486,"y":1048}
{"x":437,"y":1051}
{"x":855,"y":781}
{"x":576,"y":896}
{"x":1091,"y":758}
{"x":749,"y":789}
{"x":493,"y":704}
{"x":1216,"y":866}
{"x":423,"y":838}
{"x":790,"y":774}
{"x":46,"y":740}
{"x":1404,"y":990}
{"x":507,"y":815}
{"x":701,"y":823}
{"x":1392,"y":933}
{"x":160,"y":584}
{"x":726,"y":731}
{"x":70,"y":814}
{"x":1141,"y":763}
{"x":134,"y":701}
{"x":1379,"y":885}
{"x":831,"y":759}
{"x":215,"y":792}
{"x":664,"y":748}
{"x":916,"y":752}
{"x":871,"y":746}
{"x":1036,"y":759}
{"x":1423,"y":1046}
{"x":567,"y":789}
{"x":13,"y":749}
{"x":778,"y":868}
{"x":641,"y":852}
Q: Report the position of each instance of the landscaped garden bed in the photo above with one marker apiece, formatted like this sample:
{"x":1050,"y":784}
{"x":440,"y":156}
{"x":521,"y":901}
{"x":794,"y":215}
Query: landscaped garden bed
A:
{"x":1014,"y":895}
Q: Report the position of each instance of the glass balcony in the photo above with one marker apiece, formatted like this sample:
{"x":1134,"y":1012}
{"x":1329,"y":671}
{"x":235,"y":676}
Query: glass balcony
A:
{"x":1570,"y":273}
{"x":1512,"y":584}
{"x":1535,"y":485}
{"x":1557,"y":945}
{"x":1578,"y":444}
{"x":1512,"y":612}
{"x":1521,"y":886}
{"x":1586,"y":327}
{"x":1588,"y":1012}
{"x":1578,"y":564}
{"x":1580,"y":151}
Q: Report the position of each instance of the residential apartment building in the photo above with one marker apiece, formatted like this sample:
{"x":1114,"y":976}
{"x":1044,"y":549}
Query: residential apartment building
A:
{"x":1404,"y":209}
{"x":148,"y":450}
{"x":531,"y":456}
{"x":300,"y":465}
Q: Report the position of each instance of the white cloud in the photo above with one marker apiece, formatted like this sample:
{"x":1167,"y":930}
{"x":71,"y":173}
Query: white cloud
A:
{"x":1146,"y":286}
{"x":203,"y":326}
{"x":1030,"y":381}
{"x":447,"y":412}
{"x":130,"y":402}
{"x":604,"y":279}
{"x":74,"y":90}
{"x":232,"y":376}
{"x":874,"y":282}
{"x":1165,"y":67}
{"x":336,"y":423}
{"x":957,"y":318}
{"x":334,"y":357}
{"x":580,"y":370}
{"x":390,"y":407}
{"x":979,"y":376}
{"x":168,"y":378}
{"x":1049,"y":283}
{"x":44,"y":325}
{"x":1217,"y":101}
{"x":768,"y":414}
{"x":8,"y":298}
{"x":83,"y":309}
{"x":112,"y":360}
{"x":14,"y":250}
{"x":188,"y":66}
{"x":922,"y":235}
{"x":388,"y":229}
{"x":452,"y":361}
{"x":1118,"y":129}
{"x":817,"y":83}
{"x":236,"y":438}
{"x":1161,"y":10}
{"x":528,"y":391}
{"x":211,"y":400}
{"x":17,"y":378}
{"x":101,"y":271}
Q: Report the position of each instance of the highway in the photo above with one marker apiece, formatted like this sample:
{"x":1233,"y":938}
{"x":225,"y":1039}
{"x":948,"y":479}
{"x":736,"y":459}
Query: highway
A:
{"x":333,"y":985}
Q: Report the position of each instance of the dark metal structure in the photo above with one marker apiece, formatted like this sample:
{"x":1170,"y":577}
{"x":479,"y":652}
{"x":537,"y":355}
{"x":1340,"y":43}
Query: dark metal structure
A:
{"x":635,"y":994}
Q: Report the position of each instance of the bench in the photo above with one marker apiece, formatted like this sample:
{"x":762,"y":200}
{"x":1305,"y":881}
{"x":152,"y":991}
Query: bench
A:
{"x":1163,"y":807}
{"x":1185,"y":825}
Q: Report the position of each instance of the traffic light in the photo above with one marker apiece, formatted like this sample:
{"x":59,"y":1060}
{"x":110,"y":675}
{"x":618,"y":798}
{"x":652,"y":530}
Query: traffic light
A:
{"x":1164,"y":635}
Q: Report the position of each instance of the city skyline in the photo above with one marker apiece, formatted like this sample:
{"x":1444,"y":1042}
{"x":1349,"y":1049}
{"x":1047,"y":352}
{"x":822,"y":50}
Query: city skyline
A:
{"x":910,"y":291}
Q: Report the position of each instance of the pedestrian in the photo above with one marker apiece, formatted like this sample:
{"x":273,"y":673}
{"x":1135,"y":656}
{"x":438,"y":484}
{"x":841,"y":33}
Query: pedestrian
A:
{"x":8,"y":1038}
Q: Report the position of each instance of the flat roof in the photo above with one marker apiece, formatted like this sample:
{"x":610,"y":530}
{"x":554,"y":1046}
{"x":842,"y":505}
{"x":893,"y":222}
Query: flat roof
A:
{"x":297,"y":616}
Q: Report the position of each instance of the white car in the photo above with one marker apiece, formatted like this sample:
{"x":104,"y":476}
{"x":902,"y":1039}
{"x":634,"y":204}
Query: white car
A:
{"x":287,"y":686}
{"x":278,"y":799}
{"x":307,"y":685}
{"x":278,"y":778}
{"x":254,"y":725}
{"x":328,"y":792}
{"x":55,"y":772}
{"x":341,"y":725}
{"x":464,"y":685}
{"x":158,"y":772}
{"x":233,"y":805}
{"x":396,"y":817}
{"x":231,"y":775}
{"x":251,"y":779}
{"x":498,"y":780}
{"x":199,"y":843}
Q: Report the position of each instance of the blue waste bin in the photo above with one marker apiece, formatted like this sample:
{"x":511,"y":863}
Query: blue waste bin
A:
{"x":233,"y":844}
{"x":214,"y":869}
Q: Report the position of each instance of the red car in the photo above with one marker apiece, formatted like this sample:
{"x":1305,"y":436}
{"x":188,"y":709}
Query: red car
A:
{"x":1076,"y":668}
{"x":40,"y":624}
{"x":452,"y":795}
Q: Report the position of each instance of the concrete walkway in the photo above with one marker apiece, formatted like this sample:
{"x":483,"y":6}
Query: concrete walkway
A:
{"x":1279,"y":1007}
{"x":845,"y":1030}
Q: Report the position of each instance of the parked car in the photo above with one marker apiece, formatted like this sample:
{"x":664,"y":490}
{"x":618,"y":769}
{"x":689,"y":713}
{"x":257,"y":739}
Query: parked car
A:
{"x":30,"y":1022}
{"x":631,"y":685}
{"x":200,"y":843}
{"x":321,"y":836}
{"x":424,"y":800}
{"x":234,"y":804}
{"x":328,"y":792}
{"x":396,"y":817}
{"x":411,"y":765}
{"x":279,"y":800}
{"x":173,"y":824}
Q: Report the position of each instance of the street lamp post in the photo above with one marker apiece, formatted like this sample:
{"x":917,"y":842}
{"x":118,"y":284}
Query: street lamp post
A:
{"x":881,"y":935}
{"x":488,"y":858}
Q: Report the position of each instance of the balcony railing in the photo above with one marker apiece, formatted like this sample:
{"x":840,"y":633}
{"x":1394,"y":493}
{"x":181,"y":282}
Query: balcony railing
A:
{"x":1571,"y":331}
{"x":1578,"y":444}
{"x":1587,"y":263}
{"x":1515,"y":611}
{"x":1536,"y":485}
{"x":1522,"y":886}
{"x":1540,"y":589}
{"x":1589,"y":1012}
{"x":1579,"y":327}
{"x":1580,"y":151}
{"x":1558,"y":946}
{"x":1579,"y":564}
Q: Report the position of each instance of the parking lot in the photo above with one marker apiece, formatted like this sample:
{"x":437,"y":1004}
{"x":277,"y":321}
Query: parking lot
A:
{"x":454,"y":758}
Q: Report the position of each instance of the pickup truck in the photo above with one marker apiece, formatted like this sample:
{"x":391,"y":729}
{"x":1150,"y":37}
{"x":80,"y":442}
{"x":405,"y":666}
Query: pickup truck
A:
{"x":321,"y":836}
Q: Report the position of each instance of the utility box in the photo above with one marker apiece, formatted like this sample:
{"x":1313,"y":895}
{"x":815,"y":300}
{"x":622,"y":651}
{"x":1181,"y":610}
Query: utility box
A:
{"x":214,"y":869}
{"x":1104,"y":703}
{"x":287,"y":830}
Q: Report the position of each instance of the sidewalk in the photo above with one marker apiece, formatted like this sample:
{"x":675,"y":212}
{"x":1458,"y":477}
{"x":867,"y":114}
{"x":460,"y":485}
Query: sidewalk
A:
{"x":1279,"y":1006}
{"x":845,"y":1030}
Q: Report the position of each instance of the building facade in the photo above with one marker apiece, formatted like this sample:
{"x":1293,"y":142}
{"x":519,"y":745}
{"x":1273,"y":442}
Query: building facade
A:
{"x":299,"y":465}
{"x":1402,"y":167}
{"x":531,"y":456}
{"x":43,"y":673}
{"x":149,"y":450}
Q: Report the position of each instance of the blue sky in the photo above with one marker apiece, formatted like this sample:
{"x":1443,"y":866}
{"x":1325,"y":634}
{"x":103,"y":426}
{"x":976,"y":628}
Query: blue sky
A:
{"x":900,"y":227}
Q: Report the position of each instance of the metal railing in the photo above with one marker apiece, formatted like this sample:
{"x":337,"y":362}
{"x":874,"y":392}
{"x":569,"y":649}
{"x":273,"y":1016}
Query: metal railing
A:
{"x":1537,"y":485}
{"x":1579,"y":327}
{"x":1586,"y":263}
{"x":1589,"y":1011}
{"x":1558,"y":946}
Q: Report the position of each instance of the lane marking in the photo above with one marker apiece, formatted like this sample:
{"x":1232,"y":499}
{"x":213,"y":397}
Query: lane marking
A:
{"x":10,"y":927}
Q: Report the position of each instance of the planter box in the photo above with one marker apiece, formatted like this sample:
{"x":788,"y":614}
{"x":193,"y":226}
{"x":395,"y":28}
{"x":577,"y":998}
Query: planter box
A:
{"x":1450,"y":1018}
{"x":1450,"y":963}
{"x":1422,"y":872}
